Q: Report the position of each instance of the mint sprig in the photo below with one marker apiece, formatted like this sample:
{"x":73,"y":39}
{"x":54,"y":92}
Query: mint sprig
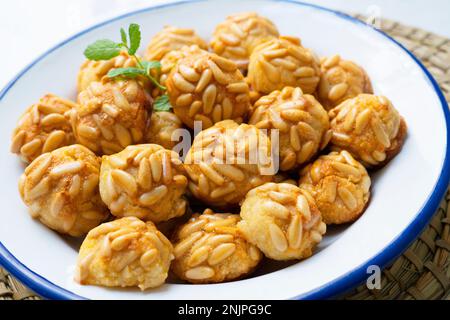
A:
{"x":123,"y":35}
{"x":103,"y":49}
{"x":162,"y":103}
{"x":126,"y":72}
{"x":106,"y":49}
{"x":135,"y":38}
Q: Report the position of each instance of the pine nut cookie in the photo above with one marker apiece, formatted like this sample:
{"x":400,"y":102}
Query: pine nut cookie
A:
{"x":172,"y":38}
{"x":282,"y":220}
{"x":170,"y":59}
{"x":339,"y":184}
{"x":209,"y":249}
{"x":160,"y":128}
{"x":237,"y":36}
{"x":226,"y":161}
{"x":43,"y":127}
{"x":341,"y":80}
{"x":207,"y":88}
{"x":369,"y":127}
{"x":111,"y":115}
{"x":282,"y":62}
{"x":126,"y":252}
{"x":94,"y":71}
{"x":60,"y":189}
{"x":301,"y":121}
{"x":145,"y":181}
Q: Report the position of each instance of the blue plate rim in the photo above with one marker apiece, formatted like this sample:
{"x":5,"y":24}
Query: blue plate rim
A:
{"x":49,"y":290}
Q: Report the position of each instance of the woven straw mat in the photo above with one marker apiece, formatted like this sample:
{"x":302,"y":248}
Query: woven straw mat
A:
{"x":422,"y":271}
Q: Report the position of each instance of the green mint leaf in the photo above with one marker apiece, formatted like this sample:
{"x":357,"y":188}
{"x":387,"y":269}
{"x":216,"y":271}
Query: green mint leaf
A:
{"x":124,"y":37}
{"x":162,"y":103}
{"x":135,"y":38}
{"x":149,"y":65}
{"x":102,"y":50}
{"x":126,"y":72}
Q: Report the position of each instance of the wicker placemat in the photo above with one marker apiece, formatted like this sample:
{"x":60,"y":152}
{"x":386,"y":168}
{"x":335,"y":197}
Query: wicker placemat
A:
{"x":422,"y":272}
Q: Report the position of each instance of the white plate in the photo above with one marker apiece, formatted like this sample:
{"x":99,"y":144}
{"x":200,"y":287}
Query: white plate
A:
{"x":405,"y":193}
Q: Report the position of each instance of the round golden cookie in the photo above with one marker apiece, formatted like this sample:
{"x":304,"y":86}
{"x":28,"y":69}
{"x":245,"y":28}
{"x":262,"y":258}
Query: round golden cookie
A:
{"x":170,"y":59}
{"x":161,"y":127}
{"x":126,"y":252}
{"x":339,"y":184}
{"x":302,"y":124}
{"x":207,"y":88}
{"x":369,"y":127}
{"x":227,"y":160}
{"x":341,"y":80}
{"x":145,"y":181}
{"x":209,"y":249}
{"x":60,"y":189}
{"x":237,"y":36}
{"x":172,"y":38}
{"x":94,"y":71}
{"x":111,"y":115}
{"x":43,"y":127}
{"x":283,"y":62}
{"x":282,"y":220}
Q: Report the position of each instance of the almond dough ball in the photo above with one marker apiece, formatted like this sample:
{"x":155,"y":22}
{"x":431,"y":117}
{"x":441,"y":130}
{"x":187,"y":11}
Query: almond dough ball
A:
{"x":145,"y":181}
{"x":170,"y":59}
{"x":111,"y":115}
{"x":43,"y":127}
{"x":341,"y":80}
{"x":226,"y":161}
{"x":210,"y":249}
{"x":161,"y":126}
{"x":126,"y":252}
{"x":369,"y":127}
{"x":282,"y":220}
{"x":60,"y":189}
{"x":283,"y":62}
{"x":302,"y":122}
{"x":209,"y":89}
{"x":239,"y":34}
{"x":172,"y":38}
{"x":94,"y":71}
{"x":339,"y":184}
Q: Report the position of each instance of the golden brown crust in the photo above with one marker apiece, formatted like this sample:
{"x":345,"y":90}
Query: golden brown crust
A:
{"x":397,"y":143}
{"x":237,"y":36}
{"x":283,"y":62}
{"x":302,"y":124}
{"x":341,"y":80}
{"x":369,"y":127}
{"x":169,"y":61}
{"x":43,"y":127}
{"x":124,"y":253}
{"x":339,"y":184}
{"x":282,"y":220}
{"x":209,"y":249}
{"x":94,"y":71}
{"x":145,"y":181}
{"x":207,"y":88}
{"x":221,"y":175}
{"x":161,"y":129}
{"x":170,"y":39}
{"x":111,"y":115}
{"x":61,"y":190}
